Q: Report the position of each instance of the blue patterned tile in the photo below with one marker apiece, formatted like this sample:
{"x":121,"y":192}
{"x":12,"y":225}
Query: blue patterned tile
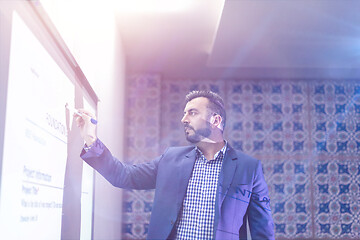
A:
{"x":300,"y":207}
{"x":341,"y":126}
{"x":237,"y":108}
{"x":357,"y":108}
{"x":174,"y":88}
{"x":296,"y":89}
{"x":339,"y":89}
{"x":320,"y":108}
{"x":279,"y":188}
{"x":298,"y":146}
{"x":299,"y":168}
{"x":345,"y":208}
{"x":214,"y":88}
{"x":356,"y":90}
{"x":322,"y":168}
{"x":277,"y":108}
{"x":324,"y":208}
{"x":341,"y":146}
{"x":276,"y":89}
{"x":237,"y":89}
{"x":321,"y":126}
{"x":127,"y":206}
{"x":324,"y":228}
{"x":257,"y":89}
{"x":340,"y":108}
{"x":300,"y":228}
{"x":238,"y":145}
{"x":127,"y":228}
{"x":279,"y":207}
{"x":258,"y":126}
{"x":147,"y":206}
{"x":280,"y":228}
{"x":319,"y":89}
{"x":278,"y":146}
{"x":146,"y":229}
{"x":344,"y":188}
{"x":343,"y":168}
{"x":258,"y":145}
{"x":297,"y":126}
{"x":297,"y":108}
{"x":237,"y":126}
{"x":299,"y":188}
{"x":278,"y":168}
{"x":321,"y":146}
{"x":277,"y":126}
{"x":257,"y":108}
{"x":345,"y":228}
{"x":357,"y":129}
{"x":323,"y":188}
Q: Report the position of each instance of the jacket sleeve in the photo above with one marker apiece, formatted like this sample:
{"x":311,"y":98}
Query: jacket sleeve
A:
{"x":138,"y":176}
{"x":259,"y":214}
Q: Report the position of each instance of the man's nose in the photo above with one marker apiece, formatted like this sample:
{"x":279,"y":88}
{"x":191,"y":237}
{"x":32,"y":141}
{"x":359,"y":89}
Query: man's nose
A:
{"x":184,"y":119}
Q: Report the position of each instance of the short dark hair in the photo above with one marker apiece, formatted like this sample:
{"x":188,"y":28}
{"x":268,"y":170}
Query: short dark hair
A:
{"x":216,"y":103}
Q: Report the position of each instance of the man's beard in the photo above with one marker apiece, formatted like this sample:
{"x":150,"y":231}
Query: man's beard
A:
{"x":198,"y":134}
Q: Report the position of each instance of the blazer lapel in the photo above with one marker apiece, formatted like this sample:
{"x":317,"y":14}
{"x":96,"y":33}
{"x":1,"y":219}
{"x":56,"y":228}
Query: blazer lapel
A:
{"x":184,"y":175}
{"x":225,"y":179}
{"x":226,"y":174}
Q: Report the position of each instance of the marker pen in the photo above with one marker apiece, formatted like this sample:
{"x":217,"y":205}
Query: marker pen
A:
{"x":93,"y":121}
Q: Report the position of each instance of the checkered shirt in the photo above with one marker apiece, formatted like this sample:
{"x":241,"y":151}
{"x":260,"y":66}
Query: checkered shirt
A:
{"x":198,"y":212}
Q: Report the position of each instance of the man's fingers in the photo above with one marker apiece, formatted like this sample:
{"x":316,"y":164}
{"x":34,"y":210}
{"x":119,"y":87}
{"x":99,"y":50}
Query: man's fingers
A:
{"x":85,"y":112}
{"x":86,"y":122}
{"x":79,"y":121}
{"x":83,"y":116}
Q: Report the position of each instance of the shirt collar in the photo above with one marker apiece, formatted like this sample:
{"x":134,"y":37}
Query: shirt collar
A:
{"x":222,"y":152}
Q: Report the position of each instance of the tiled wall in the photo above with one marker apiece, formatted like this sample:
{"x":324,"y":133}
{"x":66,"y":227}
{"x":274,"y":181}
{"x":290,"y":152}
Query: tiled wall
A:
{"x":306,"y":133}
{"x":142,"y":137}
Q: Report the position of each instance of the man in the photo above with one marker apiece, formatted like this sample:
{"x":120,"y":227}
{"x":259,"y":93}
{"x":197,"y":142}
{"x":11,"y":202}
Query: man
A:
{"x":206,"y":191}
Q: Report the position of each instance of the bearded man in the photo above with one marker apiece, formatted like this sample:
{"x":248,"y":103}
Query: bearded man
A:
{"x":204,"y":191}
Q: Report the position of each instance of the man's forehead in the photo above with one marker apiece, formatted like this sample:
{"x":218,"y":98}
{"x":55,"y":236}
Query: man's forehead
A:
{"x":197,"y":103}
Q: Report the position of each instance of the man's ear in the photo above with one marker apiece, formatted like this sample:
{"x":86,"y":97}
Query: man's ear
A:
{"x":216,"y":119}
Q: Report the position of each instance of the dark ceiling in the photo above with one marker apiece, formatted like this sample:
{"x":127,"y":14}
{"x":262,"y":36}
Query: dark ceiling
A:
{"x":245,"y":38}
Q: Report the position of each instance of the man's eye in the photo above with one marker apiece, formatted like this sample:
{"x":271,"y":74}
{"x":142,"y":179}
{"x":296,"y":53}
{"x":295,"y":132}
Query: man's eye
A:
{"x":192,"y":113}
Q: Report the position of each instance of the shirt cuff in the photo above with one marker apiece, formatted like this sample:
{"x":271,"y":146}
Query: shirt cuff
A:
{"x":95,"y":149}
{"x":87,"y":148}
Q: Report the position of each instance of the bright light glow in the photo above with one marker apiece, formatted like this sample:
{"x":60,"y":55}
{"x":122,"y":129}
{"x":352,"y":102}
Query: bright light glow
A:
{"x":150,"y":6}
{"x":31,"y":185}
{"x":85,"y":25}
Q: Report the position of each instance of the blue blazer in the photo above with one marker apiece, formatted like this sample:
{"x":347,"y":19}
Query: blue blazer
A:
{"x":242,"y":193}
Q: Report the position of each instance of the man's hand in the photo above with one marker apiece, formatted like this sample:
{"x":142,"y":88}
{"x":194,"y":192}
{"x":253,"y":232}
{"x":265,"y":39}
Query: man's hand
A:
{"x":87,"y":128}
